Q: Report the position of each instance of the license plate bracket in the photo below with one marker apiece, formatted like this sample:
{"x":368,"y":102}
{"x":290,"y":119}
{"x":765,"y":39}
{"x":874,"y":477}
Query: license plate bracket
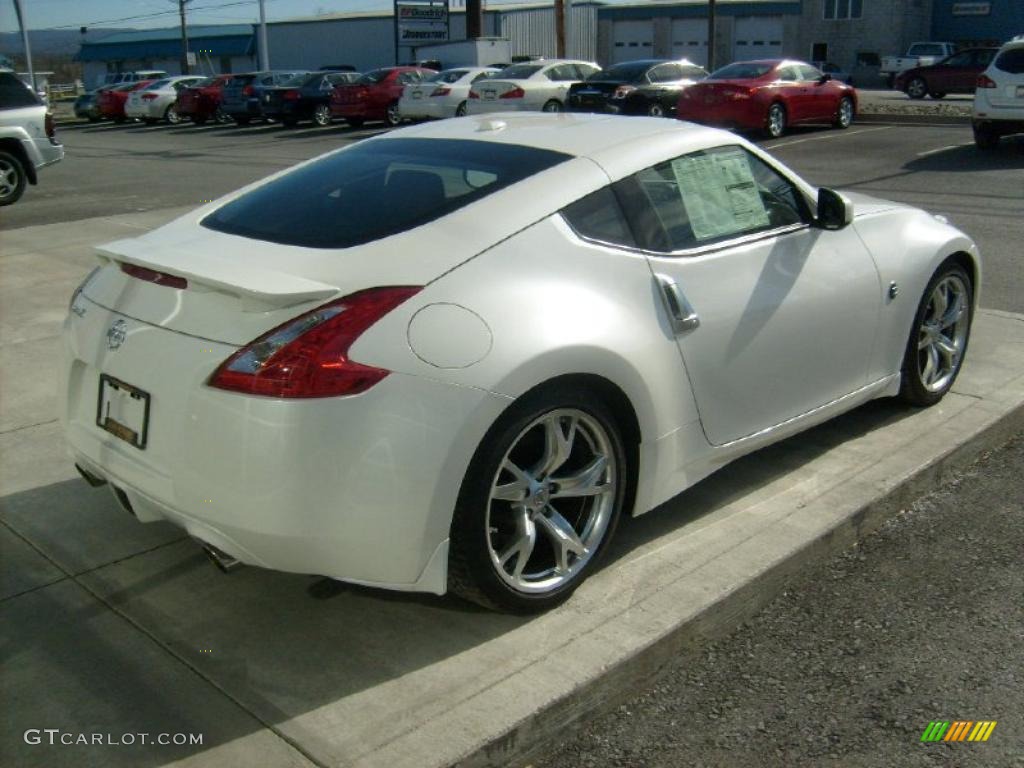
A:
{"x":123,"y":410}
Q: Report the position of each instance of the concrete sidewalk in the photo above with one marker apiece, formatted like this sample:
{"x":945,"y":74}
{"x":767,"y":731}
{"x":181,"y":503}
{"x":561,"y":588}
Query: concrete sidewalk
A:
{"x":112,"y":627}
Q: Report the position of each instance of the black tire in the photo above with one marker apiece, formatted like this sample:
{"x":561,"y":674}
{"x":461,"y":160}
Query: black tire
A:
{"x":172,"y":117}
{"x":12,"y":178}
{"x":552,"y":105}
{"x":844,"y":113}
{"x":392,"y":116}
{"x":656,"y":109}
{"x":241,"y":119}
{"x":775,"y":128}
{"x":917,"y":88}
{"x":321,"y":115}
{"x":460,"y":111}
{"x":912,"y":388}
{"x":471,"y":573}
{"x":985,"y":136}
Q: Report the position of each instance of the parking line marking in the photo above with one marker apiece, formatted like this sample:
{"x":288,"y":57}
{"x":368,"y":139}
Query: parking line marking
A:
{"x":940,"y":149}
{"x":828,"y":136}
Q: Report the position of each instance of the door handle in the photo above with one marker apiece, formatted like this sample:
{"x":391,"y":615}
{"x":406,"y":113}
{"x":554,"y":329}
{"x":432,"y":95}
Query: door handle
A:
{"x":681,"y":314}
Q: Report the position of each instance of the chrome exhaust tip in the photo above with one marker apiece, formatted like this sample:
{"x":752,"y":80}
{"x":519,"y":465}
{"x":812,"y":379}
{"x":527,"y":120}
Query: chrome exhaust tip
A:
{"x":225,"y":563}
{"x":90,"y":478}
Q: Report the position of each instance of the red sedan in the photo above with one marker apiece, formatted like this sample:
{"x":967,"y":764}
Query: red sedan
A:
{"x":110,"y":102}
{"x":375,"y":95}
{"x":768,"y":96}
{"x":954,"y":74}
{"x":201,"y":102}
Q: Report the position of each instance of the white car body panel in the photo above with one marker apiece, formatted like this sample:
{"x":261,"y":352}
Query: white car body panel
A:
{"x":137,"y":107}
{"x":362,"y":488}
{"x":418,"y":101}
{"x":1005,"y":102}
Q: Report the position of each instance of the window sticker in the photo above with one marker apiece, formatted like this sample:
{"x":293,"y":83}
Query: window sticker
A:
{"x":719,"y":193}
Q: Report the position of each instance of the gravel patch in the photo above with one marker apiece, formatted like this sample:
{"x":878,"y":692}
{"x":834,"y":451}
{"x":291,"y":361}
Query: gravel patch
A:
{"x":923,"y":620}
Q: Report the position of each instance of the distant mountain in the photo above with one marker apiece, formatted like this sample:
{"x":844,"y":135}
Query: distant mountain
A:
{"x":51,"y":41}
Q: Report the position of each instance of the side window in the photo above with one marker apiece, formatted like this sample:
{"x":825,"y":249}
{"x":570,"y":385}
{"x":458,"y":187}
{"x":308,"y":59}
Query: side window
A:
{"x":14,"y":93}
{"x":583,"y":71}
{"x":665,"y":73}
{"x":789,"y":74}
{"x":960,"y":60}
{"x":599,"y":217}
{"x":708,"y":197}
{"x":809,"y":73}
{"x":562,"y":72}
{"x":408,"y":77}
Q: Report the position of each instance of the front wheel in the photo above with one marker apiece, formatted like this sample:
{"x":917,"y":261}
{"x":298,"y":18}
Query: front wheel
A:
{"x":539,"y":503}
{"x":12,"y":179}
{"x":775,"y":122}
{"x":938,"y":341}
{"x":656,"y":110}
{"x":172,"y":116}
{"x":393,"y":117}
{"x":844,"y":113}
{"x":322,"y":115}
{"x":917,"y":88}
{"x":554,"y":105}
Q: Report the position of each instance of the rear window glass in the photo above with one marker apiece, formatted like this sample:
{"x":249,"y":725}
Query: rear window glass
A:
{"x":520,"y":71}
{"x":1011,"y":60}
{"x":377,"y":188}
{"x":743,"y":70}
{"x":448,"y":76}
{"x":14,"y":93}
{"x":627,"y":73}
{"x":599,"y":217}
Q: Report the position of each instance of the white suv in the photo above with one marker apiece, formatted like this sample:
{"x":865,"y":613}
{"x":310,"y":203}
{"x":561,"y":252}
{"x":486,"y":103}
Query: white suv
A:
{"x":999,"y":96}
{"x":28,"y":140}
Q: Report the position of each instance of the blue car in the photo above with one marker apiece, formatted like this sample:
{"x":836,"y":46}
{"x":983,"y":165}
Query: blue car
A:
{"x":240,"y":99}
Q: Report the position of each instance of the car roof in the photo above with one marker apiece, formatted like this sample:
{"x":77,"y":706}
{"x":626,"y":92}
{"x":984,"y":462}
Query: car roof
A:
{"x":572,"y":133}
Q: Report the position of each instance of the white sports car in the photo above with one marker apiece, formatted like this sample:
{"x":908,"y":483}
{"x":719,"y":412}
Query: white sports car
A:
{"x":535,"y":86}
{"x":452,"y":356}
{"x":443,"y":95}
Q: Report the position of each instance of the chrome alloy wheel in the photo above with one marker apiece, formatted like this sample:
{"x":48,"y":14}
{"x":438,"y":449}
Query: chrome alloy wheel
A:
{"x":776,"y":120}
{"x":551,"y":501}
{"x":322,"y":115}
{"x":845,"y":112}
{"x":943,"y":333}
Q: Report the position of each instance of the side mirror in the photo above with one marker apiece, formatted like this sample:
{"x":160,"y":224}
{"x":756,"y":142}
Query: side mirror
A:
{"x":835,"y":211}
{"x":824,"y":78}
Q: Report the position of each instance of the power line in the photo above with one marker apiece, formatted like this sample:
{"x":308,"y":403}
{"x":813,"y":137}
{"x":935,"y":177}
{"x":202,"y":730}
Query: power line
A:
{"x":146,"y":16}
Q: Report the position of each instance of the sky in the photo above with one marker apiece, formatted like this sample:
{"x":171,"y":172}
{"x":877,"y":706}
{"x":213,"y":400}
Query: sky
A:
{"x":142,"y":14}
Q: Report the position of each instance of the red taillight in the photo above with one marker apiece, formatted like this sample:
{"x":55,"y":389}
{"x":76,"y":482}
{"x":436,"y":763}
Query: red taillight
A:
{"x":292,"y":95}
{"x":248,"y":90}
{"x":152,"y":276}
{"x":148,"y":96}
{"x":984,"y":81}
{"x":308,"y":356}
{"x":474,"y":95}
{"x":515,"y":93}
{"x":441,"y":91}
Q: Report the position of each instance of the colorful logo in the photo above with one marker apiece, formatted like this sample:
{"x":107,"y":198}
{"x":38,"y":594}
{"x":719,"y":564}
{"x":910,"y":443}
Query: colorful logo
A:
{"x":960,"y":730}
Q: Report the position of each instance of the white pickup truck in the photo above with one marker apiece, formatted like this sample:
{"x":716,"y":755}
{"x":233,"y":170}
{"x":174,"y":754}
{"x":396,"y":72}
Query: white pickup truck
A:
{"x":918,"y":55}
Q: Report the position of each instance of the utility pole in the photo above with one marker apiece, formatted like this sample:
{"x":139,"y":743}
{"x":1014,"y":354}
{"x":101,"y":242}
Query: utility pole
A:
{"x":560,"y":29}
{"x":711,"y":36}
{"x":184,"y":37}
{"x":474,"y":19}
{"x":24,"y":38}
{"x":264,"y":51}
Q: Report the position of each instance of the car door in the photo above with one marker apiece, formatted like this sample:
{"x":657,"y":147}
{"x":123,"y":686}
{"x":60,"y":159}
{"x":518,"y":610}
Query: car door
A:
{"x":793,"y":91}
{"x":560,"y":77}
{"x":822,"y":95}
{"x":664,"y":85}
{"x":773,"y":316}
{"x":949,"y":74}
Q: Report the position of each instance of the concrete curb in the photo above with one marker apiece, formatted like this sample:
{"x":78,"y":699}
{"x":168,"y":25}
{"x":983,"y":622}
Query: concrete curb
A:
{"x":604,"y":694}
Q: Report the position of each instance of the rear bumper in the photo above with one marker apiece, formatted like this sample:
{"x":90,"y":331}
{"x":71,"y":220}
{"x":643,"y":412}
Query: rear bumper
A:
{"x":429,"y":107}
{"x":355,"y":488}
{"x":144,"y":111}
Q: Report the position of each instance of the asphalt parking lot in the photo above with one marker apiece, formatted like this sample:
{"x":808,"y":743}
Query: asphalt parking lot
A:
{"x":120,"y":628}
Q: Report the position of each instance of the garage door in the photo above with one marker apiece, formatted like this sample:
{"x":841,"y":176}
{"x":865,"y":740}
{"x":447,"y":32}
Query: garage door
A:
{"x":632,"y":40}
{"x":690,"y":40}
{"x":757,"y":37}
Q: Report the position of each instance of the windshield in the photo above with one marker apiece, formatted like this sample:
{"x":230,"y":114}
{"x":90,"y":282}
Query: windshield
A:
{"x":373,"y":76}
{"x":741,"y":70}
{"x":375,"y":189}
{"x":628,"y":72}
{"x":519,"y":71}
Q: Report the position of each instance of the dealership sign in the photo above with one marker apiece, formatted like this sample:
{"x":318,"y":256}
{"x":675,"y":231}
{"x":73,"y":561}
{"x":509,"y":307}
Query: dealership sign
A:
{"x":420,"y":22}
{"x":972,"y":9}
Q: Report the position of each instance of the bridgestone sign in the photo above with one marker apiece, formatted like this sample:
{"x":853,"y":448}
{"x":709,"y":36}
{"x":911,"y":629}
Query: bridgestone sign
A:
{"x":422,"y":21}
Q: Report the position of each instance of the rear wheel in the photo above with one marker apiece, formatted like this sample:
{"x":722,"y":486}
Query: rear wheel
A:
{"x":775,"y":121}
{"x":985,"y":136}
{"x":539,"y":503}
{"x":392,"y":116}
{"x":12,"y":179}
{"x":322,"y":115}
{"x":844,"y":113}
{"x":172,"y":116}
{"x":937,"y":344}
{"x":656,"y":110}
{"x":554,"y":105}
{"x":917,"y":88}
